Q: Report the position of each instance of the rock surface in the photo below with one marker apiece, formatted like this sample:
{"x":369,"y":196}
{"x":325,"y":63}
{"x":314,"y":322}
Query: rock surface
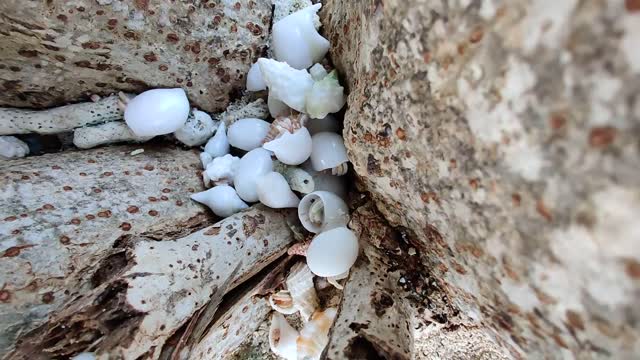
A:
{"x":503,"y":135}
{"x":55,"y":52}
{"x":63,"y":213}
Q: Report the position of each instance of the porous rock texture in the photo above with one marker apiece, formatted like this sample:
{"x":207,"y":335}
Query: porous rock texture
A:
{"x":503,"y":137}
{"x":62,"y":214}
{"x":56,"y":51}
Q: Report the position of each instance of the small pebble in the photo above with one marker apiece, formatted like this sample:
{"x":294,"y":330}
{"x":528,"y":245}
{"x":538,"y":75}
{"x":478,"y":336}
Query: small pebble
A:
{"x":412,"y":251}
{"x":137,"y":151}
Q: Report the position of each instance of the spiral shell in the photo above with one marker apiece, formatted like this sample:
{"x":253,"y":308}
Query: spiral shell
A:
{"x":282,"y":302}
{"x":283,"y":337}
{"x":322,"y":210}
{"x":285,"y":123}
{"x":314,"y":336}
{"x":302,"y":291}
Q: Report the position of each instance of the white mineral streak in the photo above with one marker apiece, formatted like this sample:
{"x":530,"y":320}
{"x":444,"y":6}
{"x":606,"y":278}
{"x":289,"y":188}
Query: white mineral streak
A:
{"x":12,"y":147}
{"x":108,"y":133}
{"x":60,"y":119}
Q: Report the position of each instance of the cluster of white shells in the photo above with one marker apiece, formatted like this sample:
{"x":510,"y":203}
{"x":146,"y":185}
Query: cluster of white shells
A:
{"x":295,"y":161}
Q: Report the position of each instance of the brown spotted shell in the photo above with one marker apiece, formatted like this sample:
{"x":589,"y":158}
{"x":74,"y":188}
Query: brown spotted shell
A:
{"x":281,"y":124}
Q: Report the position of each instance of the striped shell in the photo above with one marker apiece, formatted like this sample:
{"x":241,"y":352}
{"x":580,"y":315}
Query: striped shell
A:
{"x":303,"y":292}
{"x":314,"y":336}
{"x":285,"y":123}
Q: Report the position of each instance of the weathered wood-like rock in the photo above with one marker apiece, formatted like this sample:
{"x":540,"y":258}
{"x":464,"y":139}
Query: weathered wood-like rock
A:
{"x":62,"y":214}
{"x":147,"y":289}
{"x":504,"y":135}
{"x":55,"y":52}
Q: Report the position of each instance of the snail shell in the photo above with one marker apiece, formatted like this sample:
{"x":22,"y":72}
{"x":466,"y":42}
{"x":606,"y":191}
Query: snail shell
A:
{"x":157,"y":112}
{"x":314,"y":336}
{"x":286,"y":83}
{"x":283,"y":124}
{"x":282,"y":302}
{"x":273,"y":191}
{"x":333,"y":252}
{"x":205,"y":159}
{"x":255,"y":82}
{"x":277,"y":107}
{"x":328,"y":152}
{"x":296,"y":40}
{"x":302,"y":291}
{"x":322,"y":210}
{"x":318,"y":72}
{"x":248,"y":134}
{"x":197,"y":129}
{"x":283,"y":337}
{"x":218,"y":145}
{"x":222,"y":200}
{"x":291,"y":148}
{"x":253,"y":164}
{"x":222,"y":169}
{"x":299,"y":180}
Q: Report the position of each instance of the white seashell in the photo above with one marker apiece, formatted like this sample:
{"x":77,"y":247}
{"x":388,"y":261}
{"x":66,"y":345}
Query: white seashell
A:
{"x":274,"y":191}
{"x":326,"y":124}
{"x":302,"y":291}
{"x":254,"y":79}
{"x":12,"y":147}
{"x":326,"y":182}
{"x":283,"y":124}
{"x":197,"y":130}
{"x":205,"y":159}
{"x":223,"y":169}
{"x":286,"y":83}
{"x":282,"y":338}
{"x":291,"y":149}
{"x":253,"y":164}
{"x":282,"y":302}
{"x":218,"y":145}
{"x":222,"y":200}
{"x":328,"y":151}
{"x":318,"y":72}
{"x":157,"y":112}
{"x":314,"y":336}
{"x":326,"y":96}
{"x":298,"y":179}
{"x":322,"y":211}
{"x":277,"y":107}
{"x":296,"y":40}
{"x":333,"y":252}
{"x":84,"y":356}
{"x":247,"y":134}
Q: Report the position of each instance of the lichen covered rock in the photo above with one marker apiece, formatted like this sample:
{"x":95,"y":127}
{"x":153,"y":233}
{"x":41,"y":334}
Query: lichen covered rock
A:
{"x":58,"y":51}
{"x":503,"y":136}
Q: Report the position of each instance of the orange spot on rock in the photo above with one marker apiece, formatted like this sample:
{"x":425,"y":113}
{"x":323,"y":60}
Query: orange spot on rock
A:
{"x":602,"y":136}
